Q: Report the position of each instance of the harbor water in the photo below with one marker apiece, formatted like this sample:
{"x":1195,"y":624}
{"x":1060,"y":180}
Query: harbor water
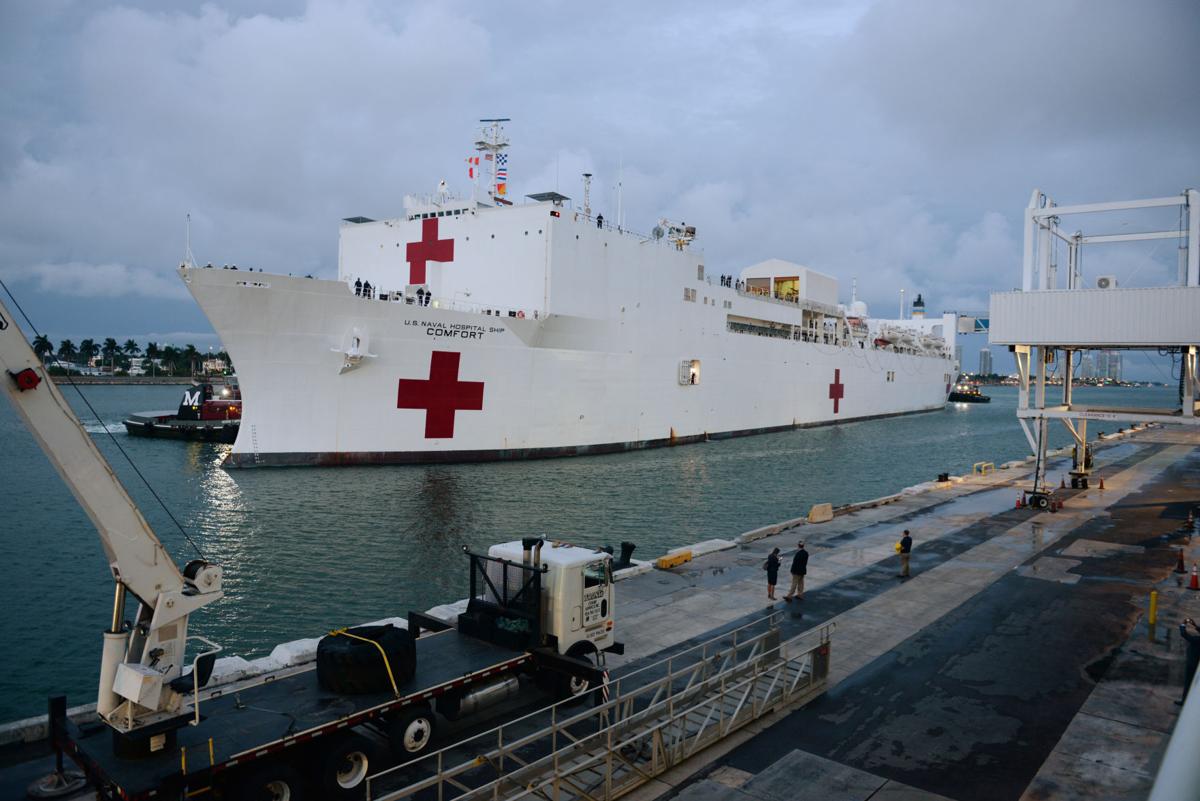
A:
{"x":308,"y":549}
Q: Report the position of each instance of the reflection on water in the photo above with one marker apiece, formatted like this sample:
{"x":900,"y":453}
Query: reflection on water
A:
{"x":309,"y":549}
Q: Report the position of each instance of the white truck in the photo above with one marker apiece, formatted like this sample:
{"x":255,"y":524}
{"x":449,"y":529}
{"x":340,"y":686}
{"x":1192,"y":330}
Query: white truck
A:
{"x":538,"y":612}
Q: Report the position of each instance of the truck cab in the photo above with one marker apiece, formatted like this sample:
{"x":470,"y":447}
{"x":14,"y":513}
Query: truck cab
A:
{"x":577,"y":602}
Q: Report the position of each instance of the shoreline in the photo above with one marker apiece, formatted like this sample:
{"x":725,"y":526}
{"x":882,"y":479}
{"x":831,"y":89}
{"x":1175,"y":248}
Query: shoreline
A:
{"x":116,"y":381}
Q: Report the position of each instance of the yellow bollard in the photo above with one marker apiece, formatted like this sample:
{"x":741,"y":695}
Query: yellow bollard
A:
{"x":1153,"y":607}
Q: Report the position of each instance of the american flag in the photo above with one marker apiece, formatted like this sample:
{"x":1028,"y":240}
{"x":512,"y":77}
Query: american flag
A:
{"x":502,"y":167}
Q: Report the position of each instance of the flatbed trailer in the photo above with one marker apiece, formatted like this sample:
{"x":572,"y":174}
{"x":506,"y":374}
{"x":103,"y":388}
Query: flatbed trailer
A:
{"x":286,"y":730}
{"x":240,"y":729}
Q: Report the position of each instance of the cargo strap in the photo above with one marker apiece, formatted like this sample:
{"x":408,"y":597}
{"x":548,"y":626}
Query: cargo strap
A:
{"x":387,"y":664}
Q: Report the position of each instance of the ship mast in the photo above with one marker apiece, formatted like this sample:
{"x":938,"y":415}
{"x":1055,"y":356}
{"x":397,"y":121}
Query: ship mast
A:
{"x":492,"y":143}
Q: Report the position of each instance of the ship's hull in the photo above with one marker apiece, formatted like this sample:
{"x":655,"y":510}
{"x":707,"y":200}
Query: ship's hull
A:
{"x":331,"y":378}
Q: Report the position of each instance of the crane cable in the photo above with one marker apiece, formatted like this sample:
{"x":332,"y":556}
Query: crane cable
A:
{"x":95,"y":414}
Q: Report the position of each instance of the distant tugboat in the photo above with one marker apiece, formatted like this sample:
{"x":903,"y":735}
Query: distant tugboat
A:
{"x":968,"y":393}
{"x":204,"y":414}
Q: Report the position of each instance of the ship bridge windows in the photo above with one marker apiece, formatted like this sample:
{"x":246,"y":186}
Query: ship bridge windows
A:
{"x":428,"y":214}
{"x":689,"y":372}
{"x":787,"y":288}
{"x":758,"y":286}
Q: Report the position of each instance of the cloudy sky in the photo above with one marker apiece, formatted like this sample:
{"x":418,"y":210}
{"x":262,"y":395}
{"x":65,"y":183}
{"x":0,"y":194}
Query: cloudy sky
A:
{"x":895,"y":142}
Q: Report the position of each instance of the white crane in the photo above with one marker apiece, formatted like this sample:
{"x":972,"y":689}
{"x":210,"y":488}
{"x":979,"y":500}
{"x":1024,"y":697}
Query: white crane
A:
{"x":138,"y":663}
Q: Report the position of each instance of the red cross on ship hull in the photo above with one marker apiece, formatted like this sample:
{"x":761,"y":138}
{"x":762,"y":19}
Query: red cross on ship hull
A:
{"x":430,"y":248}
{"x":441,"y":395}
{"x":837,"y":390}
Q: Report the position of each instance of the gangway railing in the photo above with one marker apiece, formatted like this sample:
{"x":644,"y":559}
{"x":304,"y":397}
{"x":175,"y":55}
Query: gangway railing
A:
{"x":642,"y":724}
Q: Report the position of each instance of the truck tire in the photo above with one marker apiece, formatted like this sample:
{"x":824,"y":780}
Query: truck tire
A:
{"x":274,"y":781}
{"x":410,"y":733}
{"x":344,"y":765}
{"x":349,"y":666}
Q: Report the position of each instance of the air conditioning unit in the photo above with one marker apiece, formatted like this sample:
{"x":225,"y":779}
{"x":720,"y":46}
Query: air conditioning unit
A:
{"x":1106,"y":282}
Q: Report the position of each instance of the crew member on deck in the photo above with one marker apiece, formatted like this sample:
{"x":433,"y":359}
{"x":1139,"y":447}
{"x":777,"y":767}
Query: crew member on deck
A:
{"x":599,"y":220}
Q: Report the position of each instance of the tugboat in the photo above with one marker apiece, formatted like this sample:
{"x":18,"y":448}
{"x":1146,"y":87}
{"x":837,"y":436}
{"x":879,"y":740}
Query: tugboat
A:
{"x":968,"y":393}
{"x":205,"y":413}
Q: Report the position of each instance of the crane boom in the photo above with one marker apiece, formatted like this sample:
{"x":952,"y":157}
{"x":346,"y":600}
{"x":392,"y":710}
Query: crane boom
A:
{"x":137,"y":663}
{"x":135,"y":554}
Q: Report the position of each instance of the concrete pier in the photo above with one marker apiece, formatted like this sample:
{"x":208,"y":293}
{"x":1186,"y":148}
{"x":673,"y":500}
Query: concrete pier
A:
{"x":1015,"y":664}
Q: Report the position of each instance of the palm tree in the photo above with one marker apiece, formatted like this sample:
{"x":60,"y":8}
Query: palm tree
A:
{"x":131,"y":348}
{"x":110,"y":351}
{"x":152,"y":353}
{"x":43,"y":347}
{"x":67,"y":352}
{"x":88,"y":350}
{"x":191,"y":355}
{"x":170,"y":358}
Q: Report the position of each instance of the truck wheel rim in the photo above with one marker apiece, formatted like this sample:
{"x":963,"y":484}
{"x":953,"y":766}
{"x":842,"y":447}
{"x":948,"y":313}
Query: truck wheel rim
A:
{"x":353,"y":771}
{"x":279,"y":790}
{"x":416,"y":735}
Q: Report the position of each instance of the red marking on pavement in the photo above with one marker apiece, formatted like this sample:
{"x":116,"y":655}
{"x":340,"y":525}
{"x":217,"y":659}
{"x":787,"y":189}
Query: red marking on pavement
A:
{"x":441,"y":395}
{"x":430,"y":248}
{"x":837,"y":390}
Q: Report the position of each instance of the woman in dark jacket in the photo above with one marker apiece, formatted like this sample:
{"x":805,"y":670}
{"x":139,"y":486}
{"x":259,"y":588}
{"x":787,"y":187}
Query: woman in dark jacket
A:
{"x":772,"y":568}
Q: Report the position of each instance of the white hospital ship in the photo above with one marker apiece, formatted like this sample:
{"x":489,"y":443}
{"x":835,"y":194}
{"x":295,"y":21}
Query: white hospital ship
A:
{"x":478,"y":329}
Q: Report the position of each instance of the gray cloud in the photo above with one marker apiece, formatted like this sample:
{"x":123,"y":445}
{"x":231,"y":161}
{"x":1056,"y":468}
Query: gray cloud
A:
{"x":896,"y":142}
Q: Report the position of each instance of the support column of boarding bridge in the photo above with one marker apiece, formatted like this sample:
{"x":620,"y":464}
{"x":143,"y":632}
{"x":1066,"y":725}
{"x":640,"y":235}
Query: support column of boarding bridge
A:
{"x":1051,"y":319}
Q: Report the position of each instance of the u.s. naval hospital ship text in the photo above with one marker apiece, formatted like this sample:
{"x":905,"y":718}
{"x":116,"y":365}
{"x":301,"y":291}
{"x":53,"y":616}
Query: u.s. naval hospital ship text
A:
{"x":480,"y":329}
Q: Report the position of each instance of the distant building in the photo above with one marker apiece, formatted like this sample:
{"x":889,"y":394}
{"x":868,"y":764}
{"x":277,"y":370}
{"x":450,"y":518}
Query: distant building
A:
{"x":1114,"y":366}
{"x":213,"y":366}
{"x":1087,"y":367}
{"x":985,"y":362}
{"x":1108,"y":365}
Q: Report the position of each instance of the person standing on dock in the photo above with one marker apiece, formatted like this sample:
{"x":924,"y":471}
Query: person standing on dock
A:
{"x":772,"y":568}
{"x":799,"y":570}
{"x":1192,"y":638}
{"x":905,"y":553}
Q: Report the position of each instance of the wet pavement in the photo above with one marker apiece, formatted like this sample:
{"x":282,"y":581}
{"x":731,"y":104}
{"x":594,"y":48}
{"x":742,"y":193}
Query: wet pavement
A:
{"x":975,"y":703}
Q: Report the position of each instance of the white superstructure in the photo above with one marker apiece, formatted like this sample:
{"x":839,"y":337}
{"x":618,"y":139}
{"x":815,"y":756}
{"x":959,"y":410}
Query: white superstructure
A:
{"x":477,"y":329}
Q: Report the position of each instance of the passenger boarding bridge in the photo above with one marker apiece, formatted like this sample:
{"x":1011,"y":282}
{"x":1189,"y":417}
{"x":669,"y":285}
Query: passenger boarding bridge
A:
{"x":1045,"y":321}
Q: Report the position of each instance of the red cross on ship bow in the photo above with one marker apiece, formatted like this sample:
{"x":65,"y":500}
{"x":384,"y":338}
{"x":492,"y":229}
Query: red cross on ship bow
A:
{"x":837,"y":390}
{"x":441,"y":395}
{"x":430,"y":248}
